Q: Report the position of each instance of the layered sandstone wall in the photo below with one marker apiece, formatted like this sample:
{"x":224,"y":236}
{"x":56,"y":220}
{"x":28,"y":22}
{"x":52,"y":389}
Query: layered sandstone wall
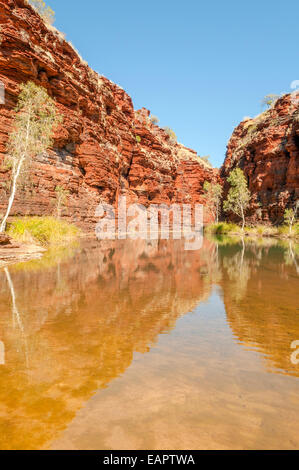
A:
{"x":266,"y":148}
{"x":104,"y":147}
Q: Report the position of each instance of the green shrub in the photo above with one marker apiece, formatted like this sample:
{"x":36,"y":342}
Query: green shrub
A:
{"x":42,"y":230}
{"x":154,"y":120}
{"x":285,"y":230}
{"x":261,"y":230}
{"x":172,"y":135}
{"x":223,"y":228}
{"x":270,"y":100}
{"x":238,"y":197}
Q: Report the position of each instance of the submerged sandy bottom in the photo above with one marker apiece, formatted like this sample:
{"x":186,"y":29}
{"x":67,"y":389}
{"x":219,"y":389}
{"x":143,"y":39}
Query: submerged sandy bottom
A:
{"x":145,"y":346}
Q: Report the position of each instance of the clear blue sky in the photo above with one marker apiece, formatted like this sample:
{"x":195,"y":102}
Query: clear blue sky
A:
{"x":200,"y":66}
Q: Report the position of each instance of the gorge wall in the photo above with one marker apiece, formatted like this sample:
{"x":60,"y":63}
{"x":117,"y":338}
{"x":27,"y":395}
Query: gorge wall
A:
{"x":104,"y":148}
{"x":266,"y":148}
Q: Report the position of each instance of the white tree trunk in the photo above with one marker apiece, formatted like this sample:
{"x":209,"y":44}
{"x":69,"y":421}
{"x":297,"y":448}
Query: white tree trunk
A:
{"x":15,"y":311}
{"x":12,"y":195}
{"x":243,"y":218}
{"x":16,"y":175}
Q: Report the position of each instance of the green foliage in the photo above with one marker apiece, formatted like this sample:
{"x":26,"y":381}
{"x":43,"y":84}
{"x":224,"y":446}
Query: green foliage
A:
{"x":291,"y":214}
{"x":36,"y":118}
{"x":34,"y":123}
{"x":253,"y":232}
{"x":261,"y":230}
{"x":172,"y":136}
{"x":238,"y":197}
{"x":6,"y":164}
{"x":154,"y":120}
{"x":138,"y":139}
{"x":252,"y":128}
{"x":223,"y":228}
{"x":43,"y":10}
{"x":290,"y":217}
{"x":43,"y":230}
{"x":285,"y":230}
{"x":213,"y":195}
{"x":269,"y":100}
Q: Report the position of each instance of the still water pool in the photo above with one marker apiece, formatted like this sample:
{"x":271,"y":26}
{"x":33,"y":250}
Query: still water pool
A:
{"x":143,"y":345}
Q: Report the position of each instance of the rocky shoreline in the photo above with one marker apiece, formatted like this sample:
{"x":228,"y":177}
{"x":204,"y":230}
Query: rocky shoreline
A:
{"x":11,"y":252}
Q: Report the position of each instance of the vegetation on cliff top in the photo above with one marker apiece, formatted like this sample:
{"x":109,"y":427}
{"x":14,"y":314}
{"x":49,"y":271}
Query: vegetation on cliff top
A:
{"x":43,"y":10}
{"x":270,"y":100}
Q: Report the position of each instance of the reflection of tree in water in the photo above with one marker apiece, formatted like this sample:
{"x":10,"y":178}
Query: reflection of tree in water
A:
{"x":238,"y":270}
{"x":260,"y":292}
{"x":15,"y":312}
{"x":85,"y":318}
{"x":16,"y":317}
{"x":210,"y":272}
{"x":291,"y":255}
{"x":88,"y":314}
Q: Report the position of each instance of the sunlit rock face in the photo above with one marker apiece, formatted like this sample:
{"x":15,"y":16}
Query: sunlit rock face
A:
{"x":104,"y":148}
{"x":266,"y":148}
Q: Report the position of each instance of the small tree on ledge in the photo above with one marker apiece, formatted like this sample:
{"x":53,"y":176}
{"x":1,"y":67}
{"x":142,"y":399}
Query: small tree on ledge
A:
{"x":36,"y":118}
{"x":290,"y":216}
{"x":269,"y":100}
{"x":154,"y":120}
{"x":238,"y":197}
{"x":172,"y":136}
{"x":213,"y":195}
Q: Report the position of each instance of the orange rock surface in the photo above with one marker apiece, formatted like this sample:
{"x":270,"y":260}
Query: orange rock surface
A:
{"x":266,"y":148}
{"x":104,"y":148}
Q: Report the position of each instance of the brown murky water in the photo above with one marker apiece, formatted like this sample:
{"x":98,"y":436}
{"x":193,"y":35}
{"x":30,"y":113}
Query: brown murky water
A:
{"x":137,"y":345}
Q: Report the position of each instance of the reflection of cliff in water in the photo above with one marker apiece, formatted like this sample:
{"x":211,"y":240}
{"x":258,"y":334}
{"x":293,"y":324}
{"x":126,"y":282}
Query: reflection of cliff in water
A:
{"x":260,"y":290}
{"x":82,"y":320}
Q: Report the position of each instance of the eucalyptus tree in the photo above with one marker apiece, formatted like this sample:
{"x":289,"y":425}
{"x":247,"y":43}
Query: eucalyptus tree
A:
{"x":238,"y":197}
{"x":34,"y":124}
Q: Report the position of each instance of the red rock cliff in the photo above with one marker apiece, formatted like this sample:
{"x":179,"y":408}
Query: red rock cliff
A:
{"x":267,"y":150}
{"x":104,"y":148}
